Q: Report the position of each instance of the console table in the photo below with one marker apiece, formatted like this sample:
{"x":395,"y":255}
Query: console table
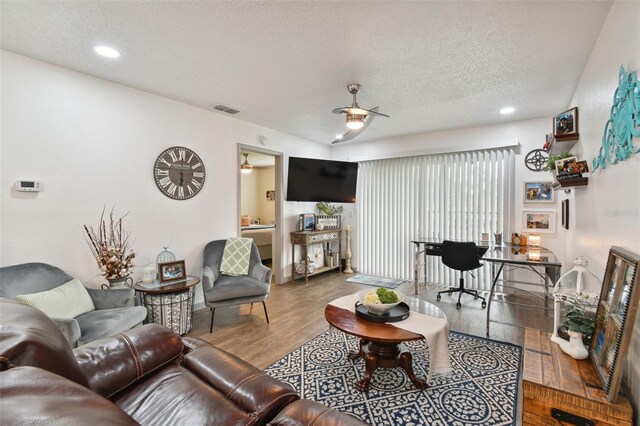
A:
{"x":306,"y":238}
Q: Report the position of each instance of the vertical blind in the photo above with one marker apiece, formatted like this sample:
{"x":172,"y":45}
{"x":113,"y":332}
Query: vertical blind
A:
{"x":454,"y":196}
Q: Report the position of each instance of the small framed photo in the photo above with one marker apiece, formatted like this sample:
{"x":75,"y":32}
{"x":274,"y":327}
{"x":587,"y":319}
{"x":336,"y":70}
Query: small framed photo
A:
{"x":565,"y":124}
{"x":309,"y":222}
{"x":172,"y":271}
{"x":538,"y":192}
{"x":539,"y":221}
{"x":566,"y":165}
{"x":271,"y":195}
{"x":565,"y":214}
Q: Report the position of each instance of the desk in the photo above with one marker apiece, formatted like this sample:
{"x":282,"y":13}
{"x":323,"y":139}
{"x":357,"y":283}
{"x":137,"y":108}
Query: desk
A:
{"x":169,"y":304}
{"x":500,"y":255}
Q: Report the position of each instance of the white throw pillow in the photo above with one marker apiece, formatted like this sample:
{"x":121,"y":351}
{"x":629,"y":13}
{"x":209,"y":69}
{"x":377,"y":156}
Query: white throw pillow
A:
{"x":67,"y":301}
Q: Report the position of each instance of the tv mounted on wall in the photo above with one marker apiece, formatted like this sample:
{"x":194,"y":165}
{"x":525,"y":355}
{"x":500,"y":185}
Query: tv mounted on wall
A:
{"x":321,"y":180}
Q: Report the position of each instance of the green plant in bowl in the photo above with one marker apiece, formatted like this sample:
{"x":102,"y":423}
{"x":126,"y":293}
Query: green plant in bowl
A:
{"x":374,"y":303}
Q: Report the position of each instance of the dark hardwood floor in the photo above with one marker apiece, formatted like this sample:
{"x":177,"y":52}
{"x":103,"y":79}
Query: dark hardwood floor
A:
{"x":296,"y":312}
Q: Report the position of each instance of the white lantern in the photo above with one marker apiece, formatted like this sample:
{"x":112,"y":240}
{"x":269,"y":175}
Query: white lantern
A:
{"x":568,"y":287}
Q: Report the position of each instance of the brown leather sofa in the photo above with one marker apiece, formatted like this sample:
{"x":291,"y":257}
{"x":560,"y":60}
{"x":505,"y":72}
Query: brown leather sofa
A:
{"x":148,"y":375}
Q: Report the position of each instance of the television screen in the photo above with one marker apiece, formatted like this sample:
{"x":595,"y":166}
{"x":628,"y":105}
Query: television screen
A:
{"x":321,"y":180}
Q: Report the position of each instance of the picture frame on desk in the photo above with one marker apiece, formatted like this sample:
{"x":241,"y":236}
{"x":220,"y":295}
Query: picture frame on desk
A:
{"x":539,"y":221}
{"x":308,"y":222}
{"x":538,"y":192}
{"x":616,"y":315}
{"x":171,"y":271}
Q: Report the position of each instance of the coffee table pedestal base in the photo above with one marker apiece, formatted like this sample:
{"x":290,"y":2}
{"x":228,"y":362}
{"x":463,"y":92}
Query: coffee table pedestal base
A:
{"x":385,"y":355}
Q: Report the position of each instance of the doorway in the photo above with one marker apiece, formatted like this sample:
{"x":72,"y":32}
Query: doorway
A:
{"x":260,"y":203}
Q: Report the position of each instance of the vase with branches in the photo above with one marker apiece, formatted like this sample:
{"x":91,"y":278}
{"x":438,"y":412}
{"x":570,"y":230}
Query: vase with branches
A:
{"x":110,"y":245}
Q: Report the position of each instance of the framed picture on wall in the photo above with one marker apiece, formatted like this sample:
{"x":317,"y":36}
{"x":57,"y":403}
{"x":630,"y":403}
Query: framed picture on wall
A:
{"x":565,"y":124}
{"x":616,"y":315}
{"x":539,"y":221}
{"x":565,"y":214}
{"x":538,"y":192}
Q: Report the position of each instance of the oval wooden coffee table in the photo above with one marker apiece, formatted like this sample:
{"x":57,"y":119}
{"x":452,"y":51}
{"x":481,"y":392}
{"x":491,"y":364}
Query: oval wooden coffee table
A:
{"x":381,"y":345}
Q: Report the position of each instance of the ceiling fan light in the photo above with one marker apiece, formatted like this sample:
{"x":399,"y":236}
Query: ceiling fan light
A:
{"x":355,"y":121}
{"x":245,"y":167}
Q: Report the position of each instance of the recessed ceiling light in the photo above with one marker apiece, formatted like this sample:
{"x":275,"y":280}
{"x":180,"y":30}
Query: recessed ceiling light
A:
{"x":338,"y":136}
{"x":507,"y":110}
{"x":106,"y":51}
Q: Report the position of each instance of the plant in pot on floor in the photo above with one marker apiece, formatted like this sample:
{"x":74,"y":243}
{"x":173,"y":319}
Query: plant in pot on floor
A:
{"x":580,"y":320}
{"x":110,"y":245}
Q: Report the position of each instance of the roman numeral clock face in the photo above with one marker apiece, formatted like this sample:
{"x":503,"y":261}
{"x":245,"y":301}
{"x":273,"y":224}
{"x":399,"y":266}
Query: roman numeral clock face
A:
{"x":179,"y":173}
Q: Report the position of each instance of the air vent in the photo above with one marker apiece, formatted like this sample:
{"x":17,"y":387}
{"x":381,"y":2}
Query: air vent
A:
{"x":224,"y":109}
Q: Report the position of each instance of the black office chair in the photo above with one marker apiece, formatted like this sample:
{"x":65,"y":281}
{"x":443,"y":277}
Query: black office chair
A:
{"x":461,"y":257}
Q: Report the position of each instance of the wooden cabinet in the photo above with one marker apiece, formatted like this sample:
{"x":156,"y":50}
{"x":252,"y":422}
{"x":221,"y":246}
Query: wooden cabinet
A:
{"x":560,"y":390}
{"x":304,"y":239}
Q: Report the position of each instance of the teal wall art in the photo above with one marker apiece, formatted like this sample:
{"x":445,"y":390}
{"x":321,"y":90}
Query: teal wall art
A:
{"x":623,"y":124}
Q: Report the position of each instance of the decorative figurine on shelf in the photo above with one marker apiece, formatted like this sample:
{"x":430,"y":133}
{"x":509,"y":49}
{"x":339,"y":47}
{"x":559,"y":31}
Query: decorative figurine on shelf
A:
{"x":347,"y":252}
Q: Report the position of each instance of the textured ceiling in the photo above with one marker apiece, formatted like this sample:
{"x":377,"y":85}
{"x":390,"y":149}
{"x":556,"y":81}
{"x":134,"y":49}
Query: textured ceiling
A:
{"x":285,"y":65}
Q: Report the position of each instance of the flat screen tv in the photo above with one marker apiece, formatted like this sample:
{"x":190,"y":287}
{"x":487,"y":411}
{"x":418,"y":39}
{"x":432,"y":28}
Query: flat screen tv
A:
{"x":321,"y":180}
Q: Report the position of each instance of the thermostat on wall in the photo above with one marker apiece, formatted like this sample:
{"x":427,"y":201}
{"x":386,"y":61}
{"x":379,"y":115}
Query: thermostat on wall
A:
{"x":28,"y":186}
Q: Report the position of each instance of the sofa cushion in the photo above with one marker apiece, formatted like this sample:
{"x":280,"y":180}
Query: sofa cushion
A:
{"x":107,"y":322}
{"x":66,"y":301}
{"x":114,"y":363}
{"x":228,"y":287}
{"x":305,"y":412}
{"x":30,"y":338}
{"x":249,"y":388}
{"x":30,"y":278}
{"x":33,"y":396}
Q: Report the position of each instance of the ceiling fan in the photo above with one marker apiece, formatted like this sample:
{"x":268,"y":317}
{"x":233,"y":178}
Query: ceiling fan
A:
{"x":357,"y":118}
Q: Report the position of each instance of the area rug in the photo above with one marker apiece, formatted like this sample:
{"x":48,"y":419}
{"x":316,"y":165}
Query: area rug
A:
{"x":375,"y":281}
{"x":482,"y":390}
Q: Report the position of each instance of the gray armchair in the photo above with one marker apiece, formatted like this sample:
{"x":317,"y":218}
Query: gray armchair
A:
{"x":225,"y":290}
{"x":115,"y":311}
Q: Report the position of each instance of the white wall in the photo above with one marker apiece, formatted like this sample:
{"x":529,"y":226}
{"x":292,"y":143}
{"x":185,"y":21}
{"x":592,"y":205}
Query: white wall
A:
{"x":529,"y":133}
{"x":607,"y":211}
{"x":92,"y":142}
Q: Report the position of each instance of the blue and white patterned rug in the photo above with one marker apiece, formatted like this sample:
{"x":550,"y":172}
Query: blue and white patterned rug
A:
{"x":375,"y":281}
{"x":482,"y":390}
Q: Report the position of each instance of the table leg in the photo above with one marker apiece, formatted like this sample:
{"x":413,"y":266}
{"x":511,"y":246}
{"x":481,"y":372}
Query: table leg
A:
{"x":406,"y":362}
{"x":371,"y":363}
{"x":424,"y":255}
{"x":416,"y":258}
{"x":360,"y":352}
{"x":493,"y":290}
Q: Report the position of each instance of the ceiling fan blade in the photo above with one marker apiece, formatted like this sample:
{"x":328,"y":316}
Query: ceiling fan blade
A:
{"x":352,"y":134}
{"x":374,"y":111}
{"x":351,"y":110}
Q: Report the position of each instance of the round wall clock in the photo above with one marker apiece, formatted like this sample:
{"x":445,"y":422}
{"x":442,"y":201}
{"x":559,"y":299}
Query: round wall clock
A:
{"x":179,"y":173}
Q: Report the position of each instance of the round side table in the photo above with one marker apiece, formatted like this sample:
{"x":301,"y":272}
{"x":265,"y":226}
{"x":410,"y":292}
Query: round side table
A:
{"x":169,"y":304}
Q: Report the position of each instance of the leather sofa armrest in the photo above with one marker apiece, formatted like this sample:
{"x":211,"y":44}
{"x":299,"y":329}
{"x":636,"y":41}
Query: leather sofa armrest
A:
{"x":305,"y":412}
{"x":261,"y":273}
{"x":113,"y":364}
{"x":112,"y":298}
{"x":245,"y":385}
{"x":31,"y":396}
{"x":69,"y":328}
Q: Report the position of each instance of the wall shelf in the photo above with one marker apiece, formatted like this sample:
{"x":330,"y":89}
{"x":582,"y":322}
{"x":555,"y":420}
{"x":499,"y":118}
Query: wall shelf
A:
{"x":558,"y":146}
{"x":570,"y":183}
